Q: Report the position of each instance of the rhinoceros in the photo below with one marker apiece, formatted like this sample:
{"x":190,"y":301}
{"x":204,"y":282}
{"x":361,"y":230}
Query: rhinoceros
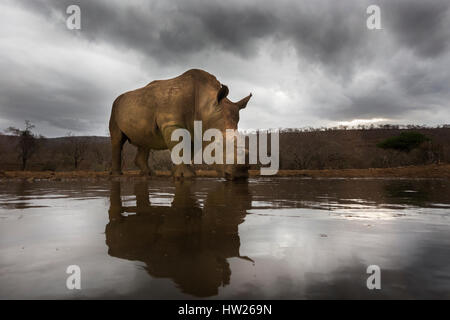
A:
{"x":146,"y":118}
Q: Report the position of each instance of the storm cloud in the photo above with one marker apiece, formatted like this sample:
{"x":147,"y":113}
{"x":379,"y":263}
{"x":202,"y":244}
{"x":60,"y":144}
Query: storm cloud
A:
{"x":308,"y":63}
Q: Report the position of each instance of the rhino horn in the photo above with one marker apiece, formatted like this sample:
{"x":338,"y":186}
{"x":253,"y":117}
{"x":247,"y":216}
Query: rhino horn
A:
{"x":243,"y":103}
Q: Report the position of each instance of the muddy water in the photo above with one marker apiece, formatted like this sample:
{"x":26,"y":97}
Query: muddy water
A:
{"x":265,"y":238}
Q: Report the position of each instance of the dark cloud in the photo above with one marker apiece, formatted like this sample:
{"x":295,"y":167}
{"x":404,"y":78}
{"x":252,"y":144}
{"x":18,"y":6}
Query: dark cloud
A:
{"x":422,"y":26}
{"x":56,"y":97}
{"x":338,"y":70}
{"x":326,"y":32}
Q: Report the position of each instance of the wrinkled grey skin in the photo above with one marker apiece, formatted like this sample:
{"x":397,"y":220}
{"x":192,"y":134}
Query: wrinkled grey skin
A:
{"x":146,"y":117}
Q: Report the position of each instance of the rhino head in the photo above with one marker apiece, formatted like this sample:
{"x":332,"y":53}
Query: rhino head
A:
{"x":225,"y":115}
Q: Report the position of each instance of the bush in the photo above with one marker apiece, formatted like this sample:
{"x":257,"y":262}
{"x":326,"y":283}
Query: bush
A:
{"x":405,"y":142}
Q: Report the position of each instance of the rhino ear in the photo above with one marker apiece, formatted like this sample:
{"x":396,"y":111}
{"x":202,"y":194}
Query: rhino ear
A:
{"x":243,"y":103}
{"x":222,"y":93}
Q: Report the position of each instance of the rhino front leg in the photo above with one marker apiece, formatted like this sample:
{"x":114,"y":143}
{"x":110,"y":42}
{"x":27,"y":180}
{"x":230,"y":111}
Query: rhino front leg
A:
{"x":141,"y":160}
{"x":182,"y":170}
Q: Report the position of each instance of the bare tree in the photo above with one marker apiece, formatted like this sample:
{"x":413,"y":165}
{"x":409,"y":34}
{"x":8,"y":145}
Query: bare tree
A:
{"x":76,"y":149}
{"x":27,"y":145}
{"x":100,"y":153}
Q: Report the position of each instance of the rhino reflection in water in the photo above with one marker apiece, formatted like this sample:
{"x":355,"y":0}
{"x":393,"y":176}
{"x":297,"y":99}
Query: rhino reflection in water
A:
{"x":183,"y":242}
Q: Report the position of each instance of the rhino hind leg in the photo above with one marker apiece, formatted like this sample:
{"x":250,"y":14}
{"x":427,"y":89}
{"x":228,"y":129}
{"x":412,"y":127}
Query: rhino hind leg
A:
{"x":141,"y":160}
{"x":118,"y":138}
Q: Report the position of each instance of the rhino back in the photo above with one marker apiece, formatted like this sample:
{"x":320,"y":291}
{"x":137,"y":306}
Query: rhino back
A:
{"x":142,"y":113}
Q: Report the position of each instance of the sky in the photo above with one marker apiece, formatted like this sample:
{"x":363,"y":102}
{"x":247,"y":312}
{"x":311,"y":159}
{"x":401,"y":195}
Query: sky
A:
{"x":308,"y":63}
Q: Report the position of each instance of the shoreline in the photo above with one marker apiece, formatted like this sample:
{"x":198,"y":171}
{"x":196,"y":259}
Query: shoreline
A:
{"x":441,"y":171}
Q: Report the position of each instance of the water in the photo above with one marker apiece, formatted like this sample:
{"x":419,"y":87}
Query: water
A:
{"x":266,"y":238}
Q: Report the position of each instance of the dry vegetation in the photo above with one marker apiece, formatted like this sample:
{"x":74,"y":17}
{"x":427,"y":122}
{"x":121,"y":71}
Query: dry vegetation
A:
{"x":441,"y":171}
{"x":322,"y":152}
